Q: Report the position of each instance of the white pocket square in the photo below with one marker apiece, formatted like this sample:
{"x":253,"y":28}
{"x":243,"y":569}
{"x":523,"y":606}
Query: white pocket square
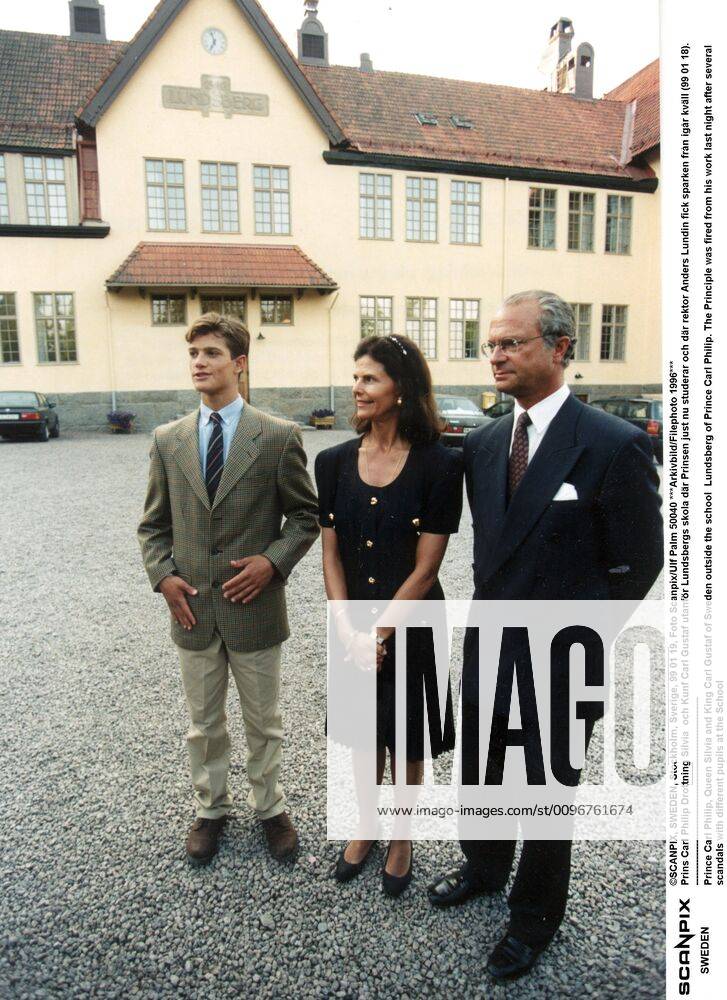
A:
{"x":566,"y":492}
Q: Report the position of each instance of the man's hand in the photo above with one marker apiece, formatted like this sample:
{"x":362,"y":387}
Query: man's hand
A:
{"x":255,"y":574}
{"x":175,"y":590}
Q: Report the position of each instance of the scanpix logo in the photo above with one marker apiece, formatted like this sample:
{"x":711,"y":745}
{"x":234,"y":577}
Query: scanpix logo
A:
{"x":683,"y":947}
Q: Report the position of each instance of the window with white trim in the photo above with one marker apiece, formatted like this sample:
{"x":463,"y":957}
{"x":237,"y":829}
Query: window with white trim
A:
{"x":276,"y":310}
{"x":421,"y":324}
{"x":219,"y":198}
{"x":165,"y":206}
{"x":618,"y":223}
{"x":168,"y":310}
{"x":613,"y":333}
{"x":464,"y":212}
{"x":377,"y":315}
{"x":45,"y":190}
{"x":541,"y":218}
{"x":582,"y":313}
{"x":421,"y":209}
{"x":4,"y":205}
{"x":9,"y":343}
{"x":464,"y":329}
{"x":225,"y":305}
{"x":272,"y":200}
{"x":374,"y":206}
{"x":55,"y":327}
{"x":581,"y":214}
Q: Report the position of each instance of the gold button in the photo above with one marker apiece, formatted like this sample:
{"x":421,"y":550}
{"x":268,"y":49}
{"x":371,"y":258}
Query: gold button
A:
{"x":369,"y":543}
{"x":374,"y":501}
{"x":371,"y":580}
{"x":330,"y":517}
{"x":415,"y":521}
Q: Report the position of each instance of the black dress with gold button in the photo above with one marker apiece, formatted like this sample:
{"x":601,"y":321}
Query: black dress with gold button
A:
{"x":378,"y":528}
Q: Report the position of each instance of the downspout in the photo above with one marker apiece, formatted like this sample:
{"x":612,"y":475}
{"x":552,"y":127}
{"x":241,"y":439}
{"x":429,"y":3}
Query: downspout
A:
{"x":504,"y":240}
{"x":331,"y":387}
{"x":110,"y":345}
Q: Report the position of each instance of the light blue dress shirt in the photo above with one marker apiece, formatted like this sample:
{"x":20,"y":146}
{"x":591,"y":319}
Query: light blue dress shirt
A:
{"x":230,"y":415}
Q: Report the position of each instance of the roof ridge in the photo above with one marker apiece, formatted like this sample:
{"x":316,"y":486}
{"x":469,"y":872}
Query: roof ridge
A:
{"x":61,"y":38}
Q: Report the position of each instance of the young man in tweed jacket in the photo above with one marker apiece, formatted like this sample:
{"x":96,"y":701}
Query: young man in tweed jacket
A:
{"x":229,"y":511}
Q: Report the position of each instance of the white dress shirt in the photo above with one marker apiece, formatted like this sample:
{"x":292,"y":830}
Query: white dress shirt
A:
{"x":541,"y":415}
{"x":230,"y":416}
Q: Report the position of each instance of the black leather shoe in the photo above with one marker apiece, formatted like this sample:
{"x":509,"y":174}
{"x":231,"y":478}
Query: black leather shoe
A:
{"x":453,"y":888}
{"x":394,"y":885}
{"x":346,"y":870}
{"x":512,"y":958}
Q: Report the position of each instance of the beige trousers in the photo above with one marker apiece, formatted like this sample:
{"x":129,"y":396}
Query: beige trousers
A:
{"x":205,"y":675}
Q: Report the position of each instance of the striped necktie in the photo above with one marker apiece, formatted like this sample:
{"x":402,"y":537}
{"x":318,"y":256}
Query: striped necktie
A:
{"x":215,"y":457}
{"x":518,"y":464}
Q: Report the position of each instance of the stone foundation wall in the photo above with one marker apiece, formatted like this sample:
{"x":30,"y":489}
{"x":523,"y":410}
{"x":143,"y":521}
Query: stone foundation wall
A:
{"x":87,"y":411}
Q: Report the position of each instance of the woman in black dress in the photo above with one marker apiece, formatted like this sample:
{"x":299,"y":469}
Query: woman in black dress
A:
{"x":389,"y":500}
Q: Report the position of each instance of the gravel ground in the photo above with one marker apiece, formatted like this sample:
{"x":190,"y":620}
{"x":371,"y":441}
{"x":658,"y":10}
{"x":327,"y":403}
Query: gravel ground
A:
{"x":95,"y":896}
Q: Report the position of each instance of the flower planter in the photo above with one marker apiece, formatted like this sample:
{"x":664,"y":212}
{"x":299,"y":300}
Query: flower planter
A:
{"x":120,"y":421}
{"x":322,"y":423}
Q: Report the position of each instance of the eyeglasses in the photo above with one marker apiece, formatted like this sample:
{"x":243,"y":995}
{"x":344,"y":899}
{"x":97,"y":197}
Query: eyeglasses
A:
{"x":508,"y":345}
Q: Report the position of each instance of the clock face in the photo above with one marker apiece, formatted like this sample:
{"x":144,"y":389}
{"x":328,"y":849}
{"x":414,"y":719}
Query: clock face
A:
{"x":214,"y":41}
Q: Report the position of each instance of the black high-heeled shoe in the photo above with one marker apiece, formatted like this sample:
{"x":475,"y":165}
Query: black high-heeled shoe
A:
{"x":394,"y":885}
{"x":346,"y":870}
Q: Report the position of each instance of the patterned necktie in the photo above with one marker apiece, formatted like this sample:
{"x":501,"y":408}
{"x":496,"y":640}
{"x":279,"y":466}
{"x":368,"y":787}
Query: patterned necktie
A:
{"x":519,"y":455}
{"x":215,"y":457}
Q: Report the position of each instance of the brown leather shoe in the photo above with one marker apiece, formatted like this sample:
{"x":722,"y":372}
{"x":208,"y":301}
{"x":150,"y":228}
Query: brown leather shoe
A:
{"x":203,"y":839}
{"x":281,"y":836}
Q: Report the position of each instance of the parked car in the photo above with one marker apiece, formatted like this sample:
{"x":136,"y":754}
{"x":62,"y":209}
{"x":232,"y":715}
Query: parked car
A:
{"x":500,"y":409}
{"x":460,"y":415}
{"x":644,"y":413}
{"x":28,"y":414}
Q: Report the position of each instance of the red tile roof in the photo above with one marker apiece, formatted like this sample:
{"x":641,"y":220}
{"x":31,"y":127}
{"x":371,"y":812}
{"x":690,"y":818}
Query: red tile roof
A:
{"x":218,"y":265}
{"x":511,"y":126}
{"x":642,"y":87}
{"x":43,"y":79}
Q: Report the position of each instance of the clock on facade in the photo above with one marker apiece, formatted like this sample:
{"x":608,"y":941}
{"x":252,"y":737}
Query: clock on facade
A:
{"x":214,"y":41}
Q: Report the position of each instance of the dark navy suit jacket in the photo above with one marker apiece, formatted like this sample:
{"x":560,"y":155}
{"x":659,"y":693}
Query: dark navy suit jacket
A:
{"x":605,"y":545}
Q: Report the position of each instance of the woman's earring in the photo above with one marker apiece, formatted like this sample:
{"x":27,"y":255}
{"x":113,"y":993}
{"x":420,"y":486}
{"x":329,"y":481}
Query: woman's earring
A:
{"x":399,"y":401}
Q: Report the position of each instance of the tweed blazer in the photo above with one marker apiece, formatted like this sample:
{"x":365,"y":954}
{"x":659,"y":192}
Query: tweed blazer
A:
{"x":265,"y":505}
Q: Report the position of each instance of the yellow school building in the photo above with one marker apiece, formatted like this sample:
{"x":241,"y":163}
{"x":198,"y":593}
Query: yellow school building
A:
{"x":204,"y":164}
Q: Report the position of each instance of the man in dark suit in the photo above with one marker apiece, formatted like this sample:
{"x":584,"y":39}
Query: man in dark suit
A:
{"x":565,"y":506}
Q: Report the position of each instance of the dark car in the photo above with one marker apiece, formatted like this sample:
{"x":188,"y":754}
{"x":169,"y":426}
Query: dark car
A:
{"x":460,"y":415}
{"x":644,"y":413}
{"x":500,"y":409}
{"x":28,"y":414}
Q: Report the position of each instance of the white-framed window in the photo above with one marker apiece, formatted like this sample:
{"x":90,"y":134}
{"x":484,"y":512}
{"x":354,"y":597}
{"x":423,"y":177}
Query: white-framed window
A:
{"x":272,"y":200}
{"x":582,"y":312}
{"x":45,"y":190}
{"x":374,"y":206}
{"x":464,"y":329}
{"x":276,"y":310}
{"x":581,"y":214}
{"x":168,"y":310}
{"x":220,"y":212}
{"x":9,"y":343}
{"x":4,"y":204}
{"x":465,"y":212}
{"x":541,"y":218}
{"x":613,"y":333}
{"x":421,"y":324}
{"x":421,"y":209}
{"x":225,"y":305}
{"x":55,"y":327}
{"x":377,"y":313}
{"x":618,"y":223}
{"x":165,"y":205}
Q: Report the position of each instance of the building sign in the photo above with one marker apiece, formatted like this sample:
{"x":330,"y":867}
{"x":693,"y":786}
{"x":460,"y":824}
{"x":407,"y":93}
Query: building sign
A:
{"x":215,"y":95}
